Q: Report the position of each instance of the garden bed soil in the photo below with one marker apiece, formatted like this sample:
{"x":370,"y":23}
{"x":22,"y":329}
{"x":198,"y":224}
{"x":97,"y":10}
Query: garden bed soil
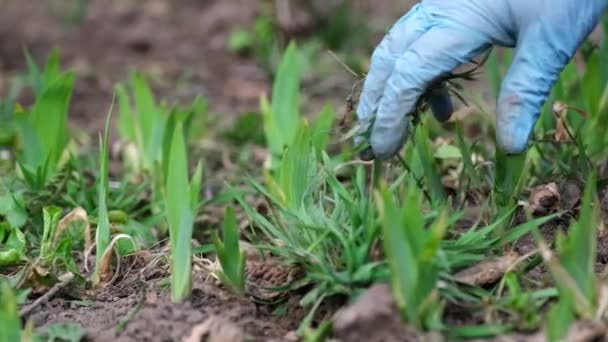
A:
{"x":183,"y":43}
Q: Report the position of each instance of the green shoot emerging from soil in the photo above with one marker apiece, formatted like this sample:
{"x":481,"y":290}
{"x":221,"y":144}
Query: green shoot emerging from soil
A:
{"x":181,"y":202}
{"x":230,"y":256}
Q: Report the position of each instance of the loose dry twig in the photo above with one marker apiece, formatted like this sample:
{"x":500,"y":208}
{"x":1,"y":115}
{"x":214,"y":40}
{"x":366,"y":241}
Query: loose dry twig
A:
{"x":65,"y":280}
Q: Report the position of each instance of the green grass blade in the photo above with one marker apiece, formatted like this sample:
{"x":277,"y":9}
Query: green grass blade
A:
{"x":52,"y":69}
{"x":49,"y":116}
{"x":427,"y":160}
{"x":179,"y":216}
{"x":400,"y":254}
{"x":297,"y":167}
{"x":321,"y":129}
{"x":149,"y":118}
{"x":126,"y":120}
{"x":559,"y":319}
{"x":229,"y":253}
{"x":181,"y":258}
{"x":284,"y":117}
{"x":34,"y":75}
{"x":196,"y":186}
{"x":578,"y":251}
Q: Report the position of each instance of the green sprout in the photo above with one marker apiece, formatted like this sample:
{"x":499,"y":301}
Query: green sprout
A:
{"x":231,"y":257}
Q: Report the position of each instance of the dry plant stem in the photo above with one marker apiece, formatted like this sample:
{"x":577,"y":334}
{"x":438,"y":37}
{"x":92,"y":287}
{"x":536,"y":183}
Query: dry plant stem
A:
{"x":553,"y":263}
{"x":86,"y":255}
{"x":603,"y":302}
{"x":418,"y":180}
{"x":66,"y":279}
{"x":353,"y":162}
{"x":512,"y":266}
{"x":557,"y":111}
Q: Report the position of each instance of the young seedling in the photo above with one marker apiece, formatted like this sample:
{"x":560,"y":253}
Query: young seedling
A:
{"x":102,"y":234}
{"x":143,"y":123}
{"x":232,"y":259}
{"x":181,"y":203}
{"x":282,"y":116}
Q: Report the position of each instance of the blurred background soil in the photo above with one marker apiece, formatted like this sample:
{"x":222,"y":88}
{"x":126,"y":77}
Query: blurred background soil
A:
{"x":182,"y":45}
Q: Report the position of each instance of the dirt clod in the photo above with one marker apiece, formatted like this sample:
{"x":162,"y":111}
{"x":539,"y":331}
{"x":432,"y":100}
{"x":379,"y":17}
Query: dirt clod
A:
{"x":216,"y":329}
{"x":570,"y":195}
{"x":373,"y":317}
{"x":584,"y":331}
{"x":544,"y":199}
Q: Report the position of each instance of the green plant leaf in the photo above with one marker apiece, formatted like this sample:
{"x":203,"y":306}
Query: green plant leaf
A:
{"x":427,"y":160}
{"x":149,"y":118}
{"x":321,"y":129}
{"x":70,"y":332}
{"x":51,"y":217}
{"x":126,"y":119}
{"x":577,"y":252}
{"x":10,"y":324}
{"x":297,"y":167}
{"x":102,"y":234}
{"x":281,"y":123}
{"x":179,"y":216}
{"x":196,"y":186}
{"x":44,"y":131}
{"x":229,"y":253}
{"x":559,"y":319}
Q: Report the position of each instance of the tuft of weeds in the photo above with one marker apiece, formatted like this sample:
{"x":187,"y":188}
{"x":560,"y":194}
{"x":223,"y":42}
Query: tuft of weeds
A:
{"x":43,"y":134}
{"x":411,"y":252}
{"x":144,"y":124}
{"x":318,"y":222}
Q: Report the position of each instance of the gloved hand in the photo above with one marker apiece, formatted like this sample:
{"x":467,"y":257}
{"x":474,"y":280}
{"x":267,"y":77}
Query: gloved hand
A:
{"x":436,"y":36}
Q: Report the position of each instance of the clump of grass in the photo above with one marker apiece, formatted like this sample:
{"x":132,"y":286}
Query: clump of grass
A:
{"x":143,"y":125}
{"x":43,"y":134}
{"x":411,"y":252}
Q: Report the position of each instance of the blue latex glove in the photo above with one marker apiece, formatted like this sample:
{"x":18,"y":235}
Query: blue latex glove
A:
{"x":436,"y":36}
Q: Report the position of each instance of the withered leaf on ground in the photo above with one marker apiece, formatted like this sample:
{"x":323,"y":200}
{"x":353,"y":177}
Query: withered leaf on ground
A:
{"x":486,"y":272}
